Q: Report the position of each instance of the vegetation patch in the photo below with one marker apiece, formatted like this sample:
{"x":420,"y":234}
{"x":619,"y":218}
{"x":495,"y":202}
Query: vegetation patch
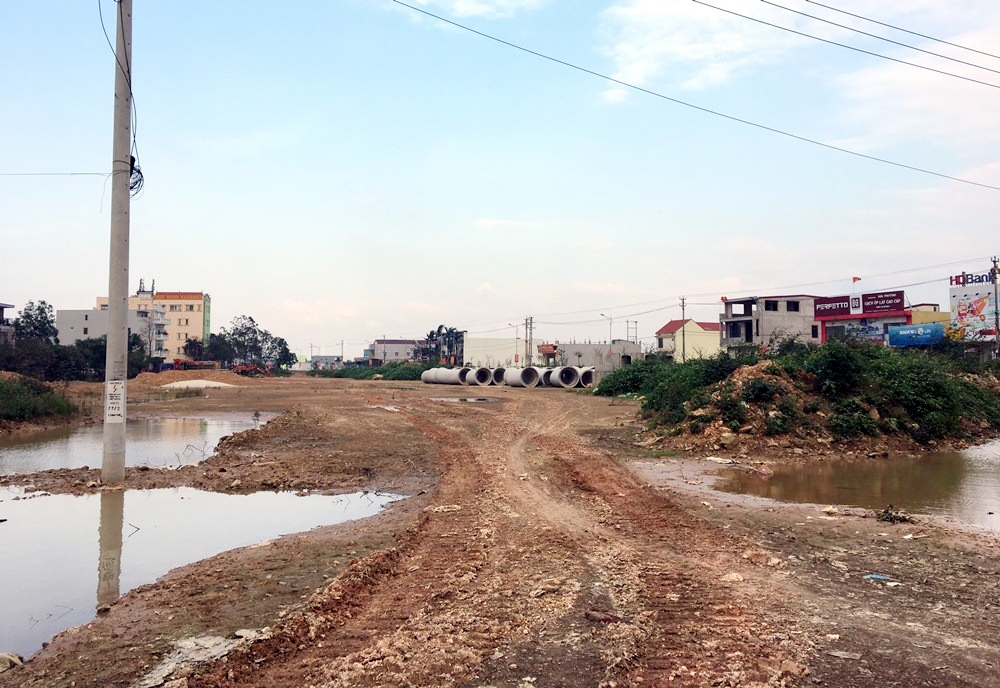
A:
{"x":28,"y":399}
{"x":835,"y":392}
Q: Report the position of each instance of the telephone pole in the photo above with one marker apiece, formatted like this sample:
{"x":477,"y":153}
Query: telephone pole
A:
{"x":683,"y":330}
{"x":996,"y":309}
{"x":529,"y":335}
{"x":116,"y":361}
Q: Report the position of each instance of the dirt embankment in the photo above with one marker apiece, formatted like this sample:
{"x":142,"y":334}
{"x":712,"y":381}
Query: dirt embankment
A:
{"x":532,"y":554}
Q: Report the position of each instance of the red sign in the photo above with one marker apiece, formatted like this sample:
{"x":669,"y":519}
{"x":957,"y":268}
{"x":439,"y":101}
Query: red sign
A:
{"x":882,"y":302}
{"x":832,"y":305}
{"x":866,"y":304}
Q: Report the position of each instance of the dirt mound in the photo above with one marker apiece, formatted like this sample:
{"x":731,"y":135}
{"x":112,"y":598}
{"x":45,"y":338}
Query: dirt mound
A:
{"x":168,"y":376}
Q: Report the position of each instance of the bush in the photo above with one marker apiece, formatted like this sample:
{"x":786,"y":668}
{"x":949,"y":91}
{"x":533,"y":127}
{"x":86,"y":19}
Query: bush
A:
{"x":733,"y":410}
{"x":851,"y":419}
{"x":760,"y":390}
{"x":777,"y":424}
{"x":838,"y":369}
{"x":27,"y":398}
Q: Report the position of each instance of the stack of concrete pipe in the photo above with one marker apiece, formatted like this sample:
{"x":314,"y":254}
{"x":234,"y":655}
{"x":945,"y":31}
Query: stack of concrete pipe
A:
{"x":567,"y":377}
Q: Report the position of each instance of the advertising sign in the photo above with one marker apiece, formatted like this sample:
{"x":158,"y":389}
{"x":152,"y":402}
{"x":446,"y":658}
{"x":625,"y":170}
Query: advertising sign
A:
{"x":927,"y":334}
{"x":866,"y":304}
{"x":831,"y":305}
{"x":882,"y":302}
{"x":973,"y":312}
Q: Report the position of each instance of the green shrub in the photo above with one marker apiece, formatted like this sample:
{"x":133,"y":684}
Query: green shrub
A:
{"x":851,"y":419}
{"x":760,"y":390}
{"x":733,"y":410}
{"x":27,"y":398}
{"x":838,"y":368}
{"x":777,"y":424}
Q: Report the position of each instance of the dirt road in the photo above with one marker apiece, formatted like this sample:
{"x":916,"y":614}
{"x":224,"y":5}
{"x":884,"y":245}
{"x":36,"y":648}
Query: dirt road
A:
{"x":535,"y":550}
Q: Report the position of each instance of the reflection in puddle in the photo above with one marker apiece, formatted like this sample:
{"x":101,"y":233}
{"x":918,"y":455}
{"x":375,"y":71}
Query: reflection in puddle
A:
{"x":51,"y":544}
{"x":151,"y":441}
{"x":964,"y":485}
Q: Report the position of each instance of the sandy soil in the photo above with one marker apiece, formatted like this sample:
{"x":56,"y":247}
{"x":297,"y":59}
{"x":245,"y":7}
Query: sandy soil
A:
{"x":538,"y":548}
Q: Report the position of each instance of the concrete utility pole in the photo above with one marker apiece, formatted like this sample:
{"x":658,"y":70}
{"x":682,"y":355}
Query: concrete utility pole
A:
{"x":611,"y":324}
{"x":517,"y":339}
{"x":996,"y":309}
{"x":116,"y":363}
{"x":684,"y":349}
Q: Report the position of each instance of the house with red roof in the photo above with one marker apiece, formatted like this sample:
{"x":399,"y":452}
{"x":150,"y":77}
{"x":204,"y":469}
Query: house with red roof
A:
{"x":684,"y":339}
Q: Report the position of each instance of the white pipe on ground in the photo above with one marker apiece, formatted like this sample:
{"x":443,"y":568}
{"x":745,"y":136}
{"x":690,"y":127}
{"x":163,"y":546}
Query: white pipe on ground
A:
{"x":521,"y":377}
{"x":564,"y":376}
{"x":586,"y":376}
{"x":478,"y":377}
{"x":497,"y":374}
{"x":543,"y":376}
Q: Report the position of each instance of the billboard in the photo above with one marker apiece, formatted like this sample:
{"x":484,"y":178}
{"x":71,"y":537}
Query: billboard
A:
{"x":973,"y":311}
{"x":866,"y":304}
{"x":927,"y":334}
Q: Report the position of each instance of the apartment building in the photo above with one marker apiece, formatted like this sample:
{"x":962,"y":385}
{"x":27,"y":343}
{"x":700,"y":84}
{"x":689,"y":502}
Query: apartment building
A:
{"x":188,"y":314}
{"x":6,"y":325}
{"x":757,"y":320}
{"x":150,"y":324}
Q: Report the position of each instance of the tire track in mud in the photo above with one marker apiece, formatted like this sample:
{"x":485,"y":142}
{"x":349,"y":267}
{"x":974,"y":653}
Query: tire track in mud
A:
{"x":530,"y":532}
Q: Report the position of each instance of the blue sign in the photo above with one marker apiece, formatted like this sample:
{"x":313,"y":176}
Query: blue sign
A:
{"x":927,"y":334}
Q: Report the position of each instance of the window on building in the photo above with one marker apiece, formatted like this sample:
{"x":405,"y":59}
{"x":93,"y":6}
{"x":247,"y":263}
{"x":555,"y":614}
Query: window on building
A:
{"x":104,"y":306}
{"x":815,"y":331}
{"x":86,"y":316}
{"x":85,"y":330}
{"x":770,"y":305}
{"x":174,"y":307}
{"x":659,"y":342}
{"x":792,"y":306}
{"x":190,"y":307}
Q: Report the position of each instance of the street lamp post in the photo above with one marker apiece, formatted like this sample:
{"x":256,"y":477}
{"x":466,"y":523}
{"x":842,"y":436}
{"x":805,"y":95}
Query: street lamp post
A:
{"x":517,"y":338}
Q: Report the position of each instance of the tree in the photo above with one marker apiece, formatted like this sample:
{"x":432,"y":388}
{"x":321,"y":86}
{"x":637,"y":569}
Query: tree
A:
{"x":36,"y":321}
{"x":275,"y":351}
{"x":194,"y":349}
{"x":245,"y":337}
{"x":219,"y":349}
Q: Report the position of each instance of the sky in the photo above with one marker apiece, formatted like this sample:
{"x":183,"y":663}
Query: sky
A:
{"x":348,"y":170}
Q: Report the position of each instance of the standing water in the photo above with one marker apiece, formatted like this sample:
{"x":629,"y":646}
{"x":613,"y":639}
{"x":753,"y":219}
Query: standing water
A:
{"x":964,"y":485}
{"x":66,"y":555}
{"x":151,"y":441}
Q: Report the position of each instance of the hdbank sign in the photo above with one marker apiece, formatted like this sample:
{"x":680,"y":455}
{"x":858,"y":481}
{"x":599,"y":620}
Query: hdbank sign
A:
{"x":973,"y":311}
{"x":916,"y":335}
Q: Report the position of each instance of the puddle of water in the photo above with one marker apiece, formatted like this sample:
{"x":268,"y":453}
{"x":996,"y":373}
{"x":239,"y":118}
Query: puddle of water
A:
{"x":466,"y":400}
{"x":66,"y":555}
{"x":963,"y":485}
{"x":152,"y":441}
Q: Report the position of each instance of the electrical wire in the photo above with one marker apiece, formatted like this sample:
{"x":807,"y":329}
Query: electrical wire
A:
{"x":881,"y":38}
{"x":699,"y":108}
{"x":844,"y":45}
{"x":897,"y":28}
{"x":136,"y":178}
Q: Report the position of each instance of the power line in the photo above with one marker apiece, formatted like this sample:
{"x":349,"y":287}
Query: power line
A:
{"x":699,"y":108}
{"x":55,"y":174}
{"x":897,"y":28}
{"x":881,"y":38}
{"x":137,"y":179}
{"x":844,"y":45}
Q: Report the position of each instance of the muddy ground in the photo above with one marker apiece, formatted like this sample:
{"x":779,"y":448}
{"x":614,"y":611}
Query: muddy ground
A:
{"x":540,"y":547}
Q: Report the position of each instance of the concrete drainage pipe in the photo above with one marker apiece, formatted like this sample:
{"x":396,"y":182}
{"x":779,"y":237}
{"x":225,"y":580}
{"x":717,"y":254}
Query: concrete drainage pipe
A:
{"x":564,"y":376}
{"x":478,"y":377}
{"x":586,"y":376}
{"x":521,"y":377}
{"x":497,"y":374}
{"x":543,"y":375}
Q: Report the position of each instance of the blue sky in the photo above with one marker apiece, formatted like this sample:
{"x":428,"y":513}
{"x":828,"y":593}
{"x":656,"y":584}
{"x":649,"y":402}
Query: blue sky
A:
{"x":351,"y":169}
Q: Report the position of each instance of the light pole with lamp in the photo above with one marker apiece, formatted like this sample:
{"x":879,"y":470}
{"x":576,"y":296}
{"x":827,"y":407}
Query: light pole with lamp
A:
{"x":517,"y":338}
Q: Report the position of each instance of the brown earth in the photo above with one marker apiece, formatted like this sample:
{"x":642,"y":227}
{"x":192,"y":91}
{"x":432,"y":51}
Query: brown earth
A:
{"x":537,"y":548}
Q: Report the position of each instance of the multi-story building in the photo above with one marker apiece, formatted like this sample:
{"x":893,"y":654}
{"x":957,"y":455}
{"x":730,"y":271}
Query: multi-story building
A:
{"x":6,"y":326}
{"x":869,"y":316}
{"x":684,"y":339}
{"x":189,"y":315}
{"x":758,"y":320}
{"x":149,"y":324}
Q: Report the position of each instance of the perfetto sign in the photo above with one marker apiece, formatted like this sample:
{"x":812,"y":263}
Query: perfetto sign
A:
{"x":866,"y":304}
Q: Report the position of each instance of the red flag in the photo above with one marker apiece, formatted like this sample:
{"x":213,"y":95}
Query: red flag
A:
{"x":855,"y":279}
